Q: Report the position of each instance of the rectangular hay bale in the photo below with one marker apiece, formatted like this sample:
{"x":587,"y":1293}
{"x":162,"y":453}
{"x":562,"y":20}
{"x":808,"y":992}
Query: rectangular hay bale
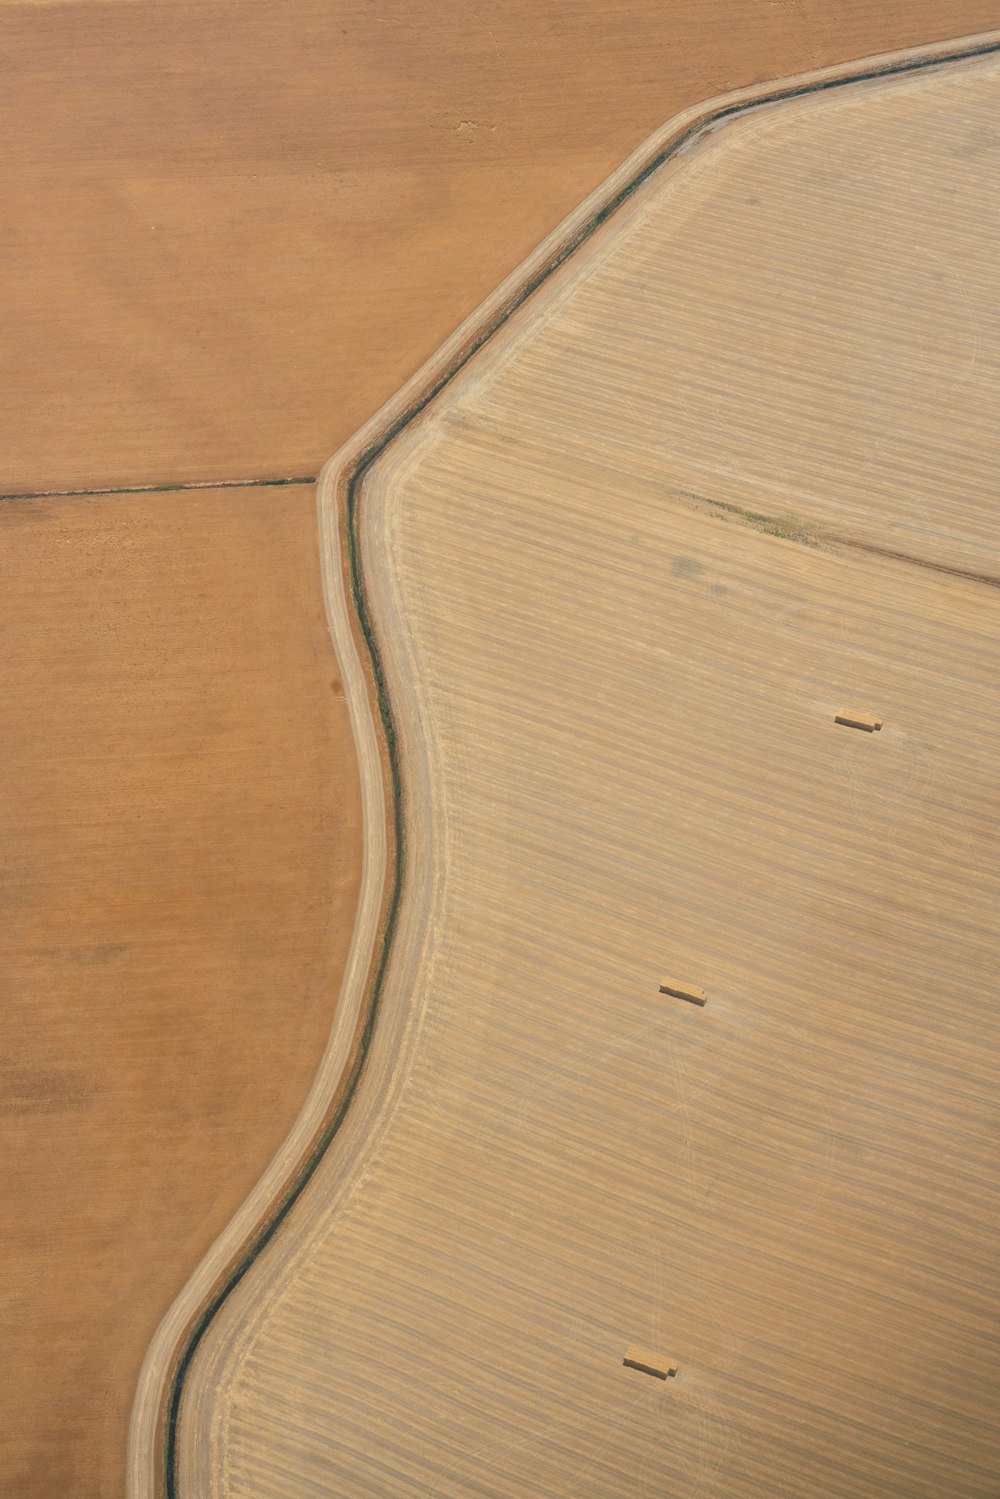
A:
{"x":680,"y":989}
{"x":649,"y":1363}
{"x":859,"y":721}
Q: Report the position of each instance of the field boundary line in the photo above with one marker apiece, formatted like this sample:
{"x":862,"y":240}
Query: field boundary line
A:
{"x":112,"y":489}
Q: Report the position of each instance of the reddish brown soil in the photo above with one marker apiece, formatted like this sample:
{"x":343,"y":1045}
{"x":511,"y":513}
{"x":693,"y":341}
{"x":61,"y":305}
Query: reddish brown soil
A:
{"x":230,"y":231}
{"x":180,"y":851}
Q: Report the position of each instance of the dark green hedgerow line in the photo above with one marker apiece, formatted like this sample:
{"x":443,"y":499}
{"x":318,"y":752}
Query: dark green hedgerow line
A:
{"x":123,"y":489}
{"x":359,"y":599}
{"x":307,"y":1169}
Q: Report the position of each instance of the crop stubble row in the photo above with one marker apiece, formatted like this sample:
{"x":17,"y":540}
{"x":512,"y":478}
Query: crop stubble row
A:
{"x":616,"y":708}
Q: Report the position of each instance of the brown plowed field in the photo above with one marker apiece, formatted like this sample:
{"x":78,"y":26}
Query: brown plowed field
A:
{"x":180,"y":848}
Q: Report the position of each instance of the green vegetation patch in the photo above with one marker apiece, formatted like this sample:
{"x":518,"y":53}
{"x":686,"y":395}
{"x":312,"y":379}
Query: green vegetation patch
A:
{"x":787,"y":527}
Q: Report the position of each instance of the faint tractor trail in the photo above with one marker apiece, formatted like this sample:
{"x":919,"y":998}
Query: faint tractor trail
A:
{"x":487,"y":1456}
{"x":569,"y":1487}
{"x":719,"y":1435}
{"x":928,"y":767}
{"x":556,"y":1083}
{"x":955,"y":285}
{"x":940,"y":776}
{"x":807,"y":1206}
{"x":684,"y":1111}
{"x":714,"y":1439}
{"x":875,"y":806}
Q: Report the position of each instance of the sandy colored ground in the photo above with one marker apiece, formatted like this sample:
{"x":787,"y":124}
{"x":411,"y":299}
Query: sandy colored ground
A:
{"x":236,"y":253}
{"x":180,"y":853}
{"x":615,"y":688}
{"x":243,"y":226}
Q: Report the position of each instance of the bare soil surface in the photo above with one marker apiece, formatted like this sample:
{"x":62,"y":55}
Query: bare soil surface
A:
{"x":231,"y":231}
{"x":180,"y":856}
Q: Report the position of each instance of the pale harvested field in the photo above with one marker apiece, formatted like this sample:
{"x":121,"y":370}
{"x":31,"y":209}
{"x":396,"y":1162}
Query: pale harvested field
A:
{"x":615,"y":698}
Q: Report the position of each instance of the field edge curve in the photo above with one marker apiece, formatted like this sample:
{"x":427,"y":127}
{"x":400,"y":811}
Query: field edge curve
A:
{"x":151,"y":1470}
